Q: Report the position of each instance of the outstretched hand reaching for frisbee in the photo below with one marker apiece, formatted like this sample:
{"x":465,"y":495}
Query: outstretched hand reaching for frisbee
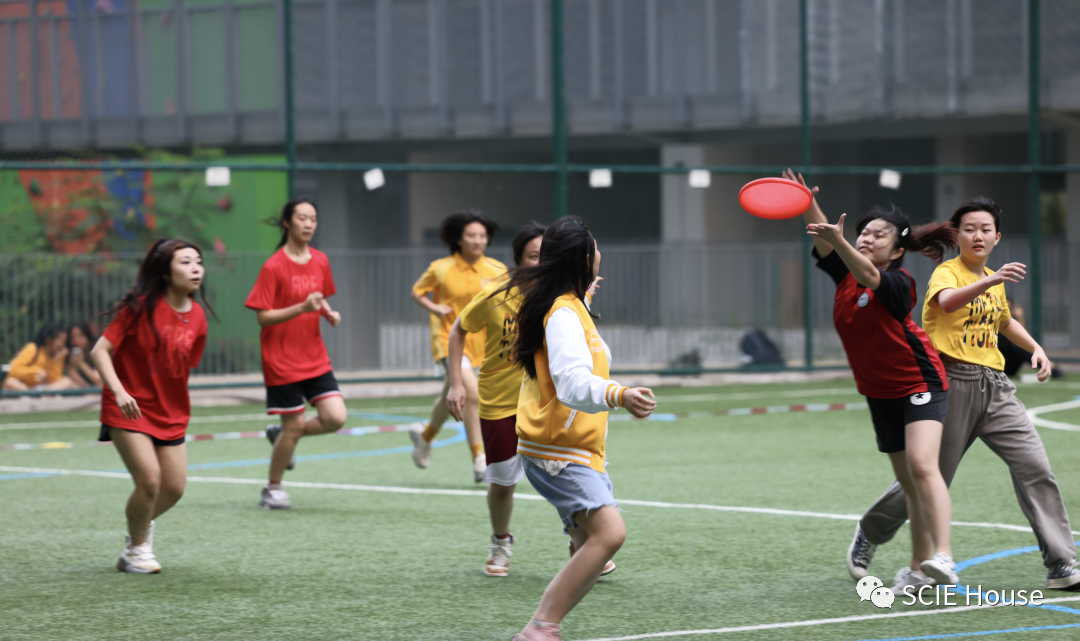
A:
{"x":831,"y":234}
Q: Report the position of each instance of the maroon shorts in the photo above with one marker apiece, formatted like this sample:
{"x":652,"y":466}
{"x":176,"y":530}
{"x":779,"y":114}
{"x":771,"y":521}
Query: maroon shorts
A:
{"x":500,"y":438}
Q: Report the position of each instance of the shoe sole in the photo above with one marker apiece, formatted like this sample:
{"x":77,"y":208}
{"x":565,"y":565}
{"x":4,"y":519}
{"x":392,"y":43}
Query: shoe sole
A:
{"x":1070,"y":584}
{"x":131,"y":569}
{"x":607,"y":572}
{"x":267,"y":506}
{"x":939,"y":574}
{"x":486,"y":573}
{"x":856,"y":572}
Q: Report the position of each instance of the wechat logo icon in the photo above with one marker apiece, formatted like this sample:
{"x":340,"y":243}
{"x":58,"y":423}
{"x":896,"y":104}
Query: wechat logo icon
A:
{"x":870,"y":588}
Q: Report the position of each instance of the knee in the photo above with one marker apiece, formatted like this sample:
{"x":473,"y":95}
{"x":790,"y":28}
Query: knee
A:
{"x":149,"y":486}
{"x":334,"y":420}
{"x":611,"y":538}
{"x":922,"y":471}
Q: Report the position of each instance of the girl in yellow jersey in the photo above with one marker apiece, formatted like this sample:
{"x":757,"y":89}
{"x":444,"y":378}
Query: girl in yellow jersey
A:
{"x":562,"y":412}
{"x":452,"y":283}
{"x":500,"y":380}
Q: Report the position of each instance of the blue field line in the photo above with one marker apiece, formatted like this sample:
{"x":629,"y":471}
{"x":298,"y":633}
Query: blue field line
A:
{"x":957,"y":635}
{"x":11,"y":477}
{"x":371,"y":416}
{"x":979,"y":560}
{"x":458,"y":437}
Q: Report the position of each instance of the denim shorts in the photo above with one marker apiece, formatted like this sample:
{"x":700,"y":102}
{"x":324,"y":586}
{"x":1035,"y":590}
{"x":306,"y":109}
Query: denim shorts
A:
{"x":575,"y":488}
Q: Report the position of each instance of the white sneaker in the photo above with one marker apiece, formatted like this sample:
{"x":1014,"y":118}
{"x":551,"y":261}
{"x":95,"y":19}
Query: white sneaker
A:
{"x":914,"y":579}
{"x":942,"y":569}
{"x":421,"y":454}
{"x":479,"y":466}
{"x":138,"y":559}
{"x":274,"y":499}
{"x":499,"y":553}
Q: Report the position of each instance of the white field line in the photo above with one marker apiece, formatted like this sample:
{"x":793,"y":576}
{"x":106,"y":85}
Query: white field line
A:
{"x":526,"y":497}
{"x":813,"y":622}
{"x":237,"y":418}
{"x":1034,"y":412}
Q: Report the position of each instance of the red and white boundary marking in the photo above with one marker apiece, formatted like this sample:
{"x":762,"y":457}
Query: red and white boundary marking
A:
{"x":222,"y":436}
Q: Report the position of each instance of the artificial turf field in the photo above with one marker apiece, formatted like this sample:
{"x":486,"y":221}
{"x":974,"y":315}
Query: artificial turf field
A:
{"x":353,"y":562}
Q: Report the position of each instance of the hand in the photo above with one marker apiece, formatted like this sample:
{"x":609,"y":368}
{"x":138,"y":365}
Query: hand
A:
{"x":595,"y":286}
{"x":455,"y":401}
{"x":334,"y":318}
{"x":128,"y":407}
{"x":832,"y":234}
{"x":441,"y":310}
{"x":1040,"y":362}
{"x":798,"y":178}
{"x":639,"y":401}
{"x":61,"y":353}
{"x":314,"y":302}
{"x":1010,"y":272}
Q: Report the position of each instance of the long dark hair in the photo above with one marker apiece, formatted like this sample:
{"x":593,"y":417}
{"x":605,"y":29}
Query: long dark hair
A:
{"x":979,"y":203}
{"x":283,"y":221}
{"x":525,"y":236}
{"x":566,"y":266}
{"x":152,"y":282}
{"x":453,"y":226}
{"x":931,"y":240}
{"x":48,"y":332}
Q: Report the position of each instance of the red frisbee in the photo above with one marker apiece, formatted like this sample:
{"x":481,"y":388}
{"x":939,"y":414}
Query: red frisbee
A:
{"x":775,"y":198}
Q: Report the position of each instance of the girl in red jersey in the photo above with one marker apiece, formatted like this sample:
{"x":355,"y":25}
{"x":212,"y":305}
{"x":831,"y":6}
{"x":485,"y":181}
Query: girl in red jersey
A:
{"x":895,"y":367}
{"x":289,"y":296}
{"x":144,"y":357}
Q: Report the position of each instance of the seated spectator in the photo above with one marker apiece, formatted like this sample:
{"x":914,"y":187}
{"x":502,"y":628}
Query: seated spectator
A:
{"x":80,"y":369}
{"x":40,"y":365}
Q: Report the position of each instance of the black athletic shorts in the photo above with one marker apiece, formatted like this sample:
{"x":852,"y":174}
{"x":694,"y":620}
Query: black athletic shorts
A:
{"x":158,"y":442}
{"x":891,"y":415}
{"x":289,"y":398}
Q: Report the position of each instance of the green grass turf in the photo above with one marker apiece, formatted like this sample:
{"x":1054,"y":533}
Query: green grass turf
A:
{"x":369,"y":565}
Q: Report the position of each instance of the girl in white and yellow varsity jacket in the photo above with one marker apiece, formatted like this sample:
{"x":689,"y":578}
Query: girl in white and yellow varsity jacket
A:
{"x":562,"y":413}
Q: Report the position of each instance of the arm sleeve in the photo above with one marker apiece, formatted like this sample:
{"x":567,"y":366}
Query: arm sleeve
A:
{"x":896,"y":292}
{"x":570,"y":363}
{"x":832,"y":265}
{"x":474,"y":317}
{"x":262,"y":294}
{"x":427,"y":283}
{"x":118,"y":328}
{"x":329,"y":289}
{"x":942,"y":278}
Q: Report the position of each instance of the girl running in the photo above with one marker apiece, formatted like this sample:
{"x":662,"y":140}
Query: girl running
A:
{"x":289,"y":296}
{"x":562,"y":412}
{"x":39,"y":366}
{"x":145,"y":357}
{"x":453,"y":282}
{"x":964,"y":312}
{"x":895,"y":366}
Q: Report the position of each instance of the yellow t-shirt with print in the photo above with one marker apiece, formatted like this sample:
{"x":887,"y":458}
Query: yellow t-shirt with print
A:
{"x":500,"y":377}
{"x":33,"y":367}
{"x":454,"y":282}
{"x":969,"y":334}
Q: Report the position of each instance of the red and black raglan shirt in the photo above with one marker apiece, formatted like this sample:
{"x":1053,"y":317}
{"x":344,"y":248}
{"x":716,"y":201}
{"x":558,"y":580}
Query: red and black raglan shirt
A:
{"x":890,"y":356}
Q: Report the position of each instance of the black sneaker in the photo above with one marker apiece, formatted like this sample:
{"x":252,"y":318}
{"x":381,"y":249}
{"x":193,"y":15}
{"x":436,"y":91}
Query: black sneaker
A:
{"x":1064,"y":576}
{"x":272,"y":434}
{"x":859,"y":555}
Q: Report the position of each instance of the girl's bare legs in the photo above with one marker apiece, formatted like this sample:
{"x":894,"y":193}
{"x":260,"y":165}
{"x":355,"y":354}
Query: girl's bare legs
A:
{"x":472,"y":410}
{"x":923,"y":440}
{"x":159,"y":473}
{"x":500,"y":500}
{"x":332,"y":415}
{"x":604,"y":533}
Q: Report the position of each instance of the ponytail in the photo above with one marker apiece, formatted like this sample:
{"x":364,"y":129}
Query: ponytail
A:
{"x":931,"y":240}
